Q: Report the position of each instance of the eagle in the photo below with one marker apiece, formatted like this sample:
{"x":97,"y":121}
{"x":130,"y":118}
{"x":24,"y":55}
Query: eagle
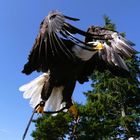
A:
{"x":64,"y":59}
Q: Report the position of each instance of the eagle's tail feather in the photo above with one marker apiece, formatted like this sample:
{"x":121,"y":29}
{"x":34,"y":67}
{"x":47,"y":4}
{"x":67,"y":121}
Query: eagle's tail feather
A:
{"x":55,"y":100}
{"x":33,"y":89}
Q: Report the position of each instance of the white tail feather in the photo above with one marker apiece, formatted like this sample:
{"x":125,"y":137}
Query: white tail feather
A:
{"x":55,"y":100}
{"x":33,"y":91}
{"x":38,"y":80}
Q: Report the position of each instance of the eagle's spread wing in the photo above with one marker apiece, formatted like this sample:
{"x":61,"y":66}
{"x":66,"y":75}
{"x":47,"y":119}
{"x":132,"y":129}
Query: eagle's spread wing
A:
{"x":55,"y":38}
{"x":111,"y":51}
{"x":115,"y":48}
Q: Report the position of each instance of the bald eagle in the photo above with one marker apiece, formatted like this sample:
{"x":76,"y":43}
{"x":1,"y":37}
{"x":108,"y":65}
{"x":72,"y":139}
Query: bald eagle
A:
{"x":64,"y":59}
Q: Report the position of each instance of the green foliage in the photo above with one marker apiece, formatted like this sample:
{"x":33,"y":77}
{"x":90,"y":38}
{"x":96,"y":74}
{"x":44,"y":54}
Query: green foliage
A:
{"x":108,"y":24}
{"x":52,"y":127}
{"x":112,"y":110}
{"x":116,"y":103}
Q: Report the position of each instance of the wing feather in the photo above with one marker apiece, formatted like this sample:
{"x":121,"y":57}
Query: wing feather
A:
{"x":53,"y":41}
{"x":115,"y":47}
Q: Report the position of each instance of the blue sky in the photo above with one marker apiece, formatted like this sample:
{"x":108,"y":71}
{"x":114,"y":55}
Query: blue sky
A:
{"x":19,"y":24}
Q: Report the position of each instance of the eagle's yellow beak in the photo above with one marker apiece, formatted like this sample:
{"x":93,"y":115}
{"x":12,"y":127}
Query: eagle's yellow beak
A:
{"x":99,"y":46}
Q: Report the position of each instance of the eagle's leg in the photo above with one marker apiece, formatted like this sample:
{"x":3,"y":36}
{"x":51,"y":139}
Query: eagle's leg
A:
{"x":45,"y":94}
{"x":67,"y":95}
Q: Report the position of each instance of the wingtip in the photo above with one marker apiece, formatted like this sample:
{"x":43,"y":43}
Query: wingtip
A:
{"x":71,"y":18}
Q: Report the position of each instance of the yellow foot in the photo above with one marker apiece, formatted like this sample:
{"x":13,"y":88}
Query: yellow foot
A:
{"x":40,"y":109}
{"x":73,"y":111}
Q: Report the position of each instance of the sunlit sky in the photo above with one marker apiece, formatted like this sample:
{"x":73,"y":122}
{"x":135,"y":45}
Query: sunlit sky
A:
{"x":19,"y":24}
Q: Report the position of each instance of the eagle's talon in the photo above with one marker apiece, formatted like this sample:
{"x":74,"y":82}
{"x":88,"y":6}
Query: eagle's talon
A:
{"x":40,"y":109}
{"x":73,"y":111}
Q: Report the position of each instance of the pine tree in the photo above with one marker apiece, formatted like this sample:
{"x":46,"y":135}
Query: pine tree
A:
{"x":51,"y":127}
{"x":114,"y":104}
{"x":112,"y":109}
